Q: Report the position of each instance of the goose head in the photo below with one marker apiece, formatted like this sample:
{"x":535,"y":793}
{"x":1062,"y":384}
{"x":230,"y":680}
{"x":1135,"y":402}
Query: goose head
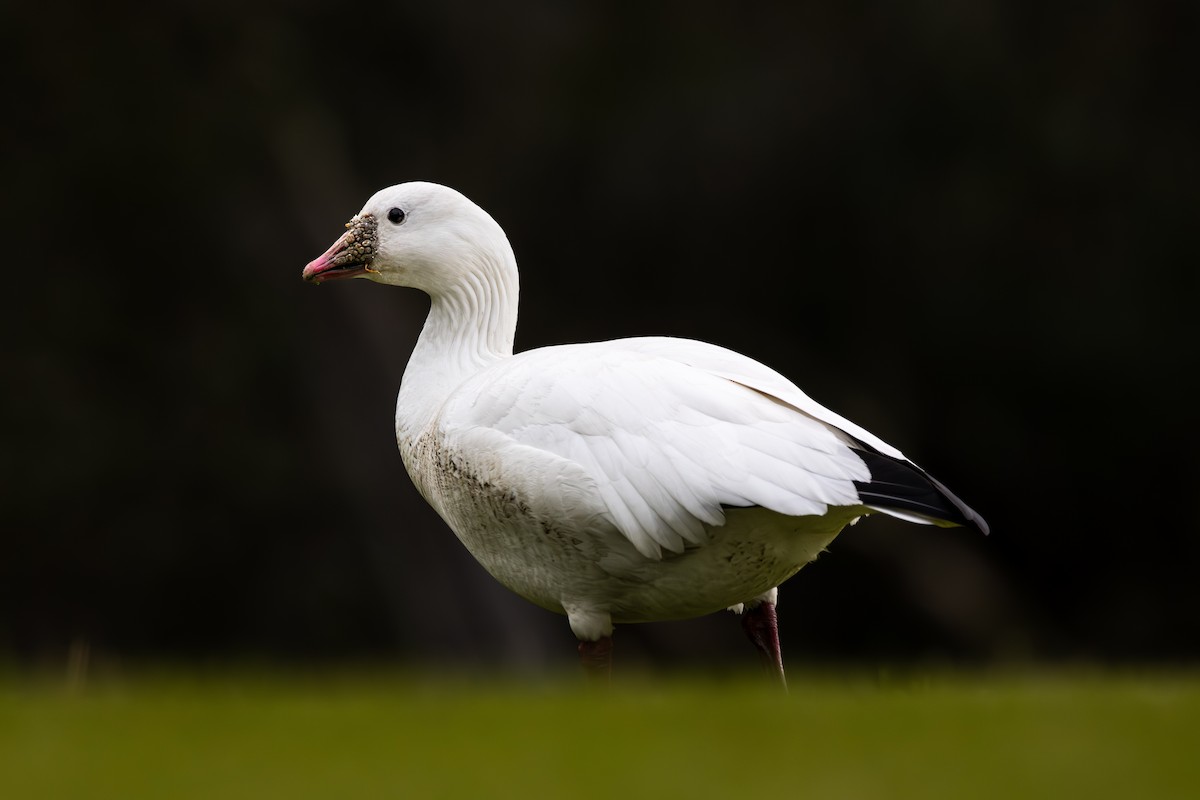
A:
{"x":421,"y":235}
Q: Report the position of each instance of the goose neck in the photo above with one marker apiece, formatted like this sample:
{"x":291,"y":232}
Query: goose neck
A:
{"x":470,"y":326}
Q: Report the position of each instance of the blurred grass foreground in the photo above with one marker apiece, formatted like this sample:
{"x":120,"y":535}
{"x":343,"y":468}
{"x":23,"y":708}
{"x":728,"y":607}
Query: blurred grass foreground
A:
{"x":414,"y":736}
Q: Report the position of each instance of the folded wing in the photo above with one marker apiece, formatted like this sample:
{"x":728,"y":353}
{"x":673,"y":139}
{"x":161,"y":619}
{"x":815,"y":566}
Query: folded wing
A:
{"x":668,"y":432}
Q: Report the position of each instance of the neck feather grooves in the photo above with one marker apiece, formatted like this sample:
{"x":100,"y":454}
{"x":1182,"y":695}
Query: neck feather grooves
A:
{"x":470,"y":326}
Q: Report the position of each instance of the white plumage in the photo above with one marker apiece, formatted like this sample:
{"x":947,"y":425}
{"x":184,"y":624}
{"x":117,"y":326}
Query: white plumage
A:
{"x":623,"y":481}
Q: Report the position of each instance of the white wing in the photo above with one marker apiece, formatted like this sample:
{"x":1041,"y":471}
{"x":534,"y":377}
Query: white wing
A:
{"x":665,"y":431}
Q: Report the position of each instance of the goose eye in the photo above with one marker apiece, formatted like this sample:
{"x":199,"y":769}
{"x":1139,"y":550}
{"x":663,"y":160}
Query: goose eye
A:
{"x":396,"y":216}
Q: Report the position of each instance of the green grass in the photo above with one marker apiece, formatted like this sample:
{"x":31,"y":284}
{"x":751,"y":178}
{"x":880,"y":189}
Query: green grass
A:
{"x":371,"y":735}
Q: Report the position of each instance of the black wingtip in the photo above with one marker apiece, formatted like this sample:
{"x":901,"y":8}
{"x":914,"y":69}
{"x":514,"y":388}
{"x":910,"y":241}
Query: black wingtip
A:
{"x":902,"y":485}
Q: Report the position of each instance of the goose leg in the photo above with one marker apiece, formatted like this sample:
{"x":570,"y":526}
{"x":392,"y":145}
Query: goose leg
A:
{"x":596,"y":658}
{"x":762,"y":626}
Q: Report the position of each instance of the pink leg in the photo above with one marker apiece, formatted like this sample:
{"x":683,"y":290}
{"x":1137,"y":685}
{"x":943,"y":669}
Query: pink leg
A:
{"x":762,"y":626}
{"x":596,"y":658}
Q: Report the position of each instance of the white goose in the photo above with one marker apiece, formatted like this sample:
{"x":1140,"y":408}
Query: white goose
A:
{"x":624,"y":481}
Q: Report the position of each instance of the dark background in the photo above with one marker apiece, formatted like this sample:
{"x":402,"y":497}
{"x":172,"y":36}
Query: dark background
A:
{"x":971,"y":228}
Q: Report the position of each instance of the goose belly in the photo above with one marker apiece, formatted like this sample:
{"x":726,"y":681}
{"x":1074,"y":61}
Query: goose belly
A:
{"x":754,"y":551}
{"x":586,"y":562}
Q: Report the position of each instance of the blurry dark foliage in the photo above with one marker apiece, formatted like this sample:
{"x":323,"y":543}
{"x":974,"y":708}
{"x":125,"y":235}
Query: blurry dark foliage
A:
{"x":971,"y":228}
